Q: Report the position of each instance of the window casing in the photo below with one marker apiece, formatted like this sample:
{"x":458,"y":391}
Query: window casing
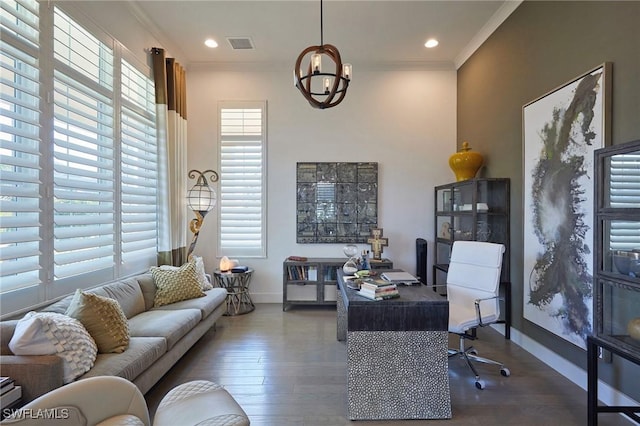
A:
{"x":78,"y":174}
{"x":242,"y":199}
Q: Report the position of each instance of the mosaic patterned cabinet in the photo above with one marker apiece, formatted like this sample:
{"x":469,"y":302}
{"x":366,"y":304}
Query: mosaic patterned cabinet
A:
{"x":396,"y":354}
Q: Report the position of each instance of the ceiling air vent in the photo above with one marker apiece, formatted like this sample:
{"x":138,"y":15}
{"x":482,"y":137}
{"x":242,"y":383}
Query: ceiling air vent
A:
{"x":241,"y":43}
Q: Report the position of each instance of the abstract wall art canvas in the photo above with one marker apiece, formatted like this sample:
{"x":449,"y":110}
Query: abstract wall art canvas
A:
{"x":561,"y":131}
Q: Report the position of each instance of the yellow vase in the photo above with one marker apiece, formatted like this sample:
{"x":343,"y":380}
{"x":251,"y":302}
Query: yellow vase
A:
{"x":465,"y":163}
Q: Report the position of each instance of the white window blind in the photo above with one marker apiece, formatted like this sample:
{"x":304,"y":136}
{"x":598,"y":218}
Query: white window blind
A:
{"x":139,"y":160}
{"x":84,"y":156}
{"x":20,"y":171}
{"x":242,"y":145}
{"x":624,"y":192}
{"x":78,"y":170}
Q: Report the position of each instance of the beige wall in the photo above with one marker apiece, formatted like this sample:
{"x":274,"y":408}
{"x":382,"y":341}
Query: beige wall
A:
{"x":404,"y":120}
{"x":538,"y":48}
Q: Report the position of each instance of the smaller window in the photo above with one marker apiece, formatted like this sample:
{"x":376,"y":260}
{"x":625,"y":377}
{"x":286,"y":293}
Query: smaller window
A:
{"x":242,"y":156}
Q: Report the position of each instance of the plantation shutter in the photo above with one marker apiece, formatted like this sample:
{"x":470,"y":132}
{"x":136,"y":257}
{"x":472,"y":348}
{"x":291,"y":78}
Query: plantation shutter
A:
{"x":20,"y":170}
{"x":84,"y":179}
{"x":624,"y":192}
{"x":139,"y":161}
{"x":242,"y":180}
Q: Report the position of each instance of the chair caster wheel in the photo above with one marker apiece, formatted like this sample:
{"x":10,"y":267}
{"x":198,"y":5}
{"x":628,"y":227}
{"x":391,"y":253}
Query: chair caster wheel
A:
{"x":480,"y":384}
{"x":505,"y":372}
{"x":473,"y":352}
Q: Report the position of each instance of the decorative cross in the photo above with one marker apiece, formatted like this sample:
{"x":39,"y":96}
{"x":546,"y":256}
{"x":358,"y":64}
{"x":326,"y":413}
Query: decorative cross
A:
{"x":377,"y":243}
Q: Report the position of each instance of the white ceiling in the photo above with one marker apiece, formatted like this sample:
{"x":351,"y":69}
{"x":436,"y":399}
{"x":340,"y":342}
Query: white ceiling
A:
{"x":366,"y":32}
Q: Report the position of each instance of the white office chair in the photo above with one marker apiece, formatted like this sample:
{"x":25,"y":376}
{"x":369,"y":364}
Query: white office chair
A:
{"x":473,"y":292}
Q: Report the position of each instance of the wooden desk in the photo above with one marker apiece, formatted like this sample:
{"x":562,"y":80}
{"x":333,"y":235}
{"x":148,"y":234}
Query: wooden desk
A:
{"x":396,"y":354}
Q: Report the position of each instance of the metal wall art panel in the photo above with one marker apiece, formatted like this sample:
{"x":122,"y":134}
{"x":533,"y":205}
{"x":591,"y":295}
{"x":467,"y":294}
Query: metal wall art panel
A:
{"x":336,"y":202}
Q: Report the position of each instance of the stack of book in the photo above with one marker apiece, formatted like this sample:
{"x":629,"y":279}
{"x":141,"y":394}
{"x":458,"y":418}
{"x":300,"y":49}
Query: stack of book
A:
{"x":9,"y":392}
{"x":378,"y":290}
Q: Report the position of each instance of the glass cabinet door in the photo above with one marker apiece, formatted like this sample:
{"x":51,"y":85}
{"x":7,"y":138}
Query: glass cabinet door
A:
{"x":621,"y":247}
{"x":617,"y":267}
{"x":620,"y":310}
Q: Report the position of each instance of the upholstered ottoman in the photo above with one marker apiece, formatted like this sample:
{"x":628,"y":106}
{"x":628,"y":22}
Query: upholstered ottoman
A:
{"x":200,"y":403}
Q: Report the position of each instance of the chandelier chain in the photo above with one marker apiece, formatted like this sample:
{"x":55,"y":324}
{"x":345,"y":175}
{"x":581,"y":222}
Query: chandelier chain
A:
{"x":321,"y":29}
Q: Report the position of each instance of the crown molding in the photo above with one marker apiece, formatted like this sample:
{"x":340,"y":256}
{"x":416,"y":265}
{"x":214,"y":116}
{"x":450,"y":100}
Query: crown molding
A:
{"x":496,"y":20}
{"x":165,"y":42}
{"x":280,"y":66}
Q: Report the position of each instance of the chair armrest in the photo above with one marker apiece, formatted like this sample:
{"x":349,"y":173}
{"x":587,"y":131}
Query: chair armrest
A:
{"x":477,"y":304}
{"x":98,"y":398}
{"x":36,"y":374}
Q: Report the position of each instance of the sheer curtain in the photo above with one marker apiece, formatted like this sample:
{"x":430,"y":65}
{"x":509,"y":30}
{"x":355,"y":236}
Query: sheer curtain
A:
{"x":171,"y":105}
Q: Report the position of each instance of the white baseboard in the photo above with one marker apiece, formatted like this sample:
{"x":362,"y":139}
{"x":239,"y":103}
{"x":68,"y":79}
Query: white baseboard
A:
{"x":266,"y":297}
{"x":577,"y":375}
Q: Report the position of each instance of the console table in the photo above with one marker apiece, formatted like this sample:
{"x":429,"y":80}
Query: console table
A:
{"x":397,"y":359}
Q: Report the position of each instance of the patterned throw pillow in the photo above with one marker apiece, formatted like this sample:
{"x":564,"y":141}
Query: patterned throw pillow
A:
{"x":104,"y":320}
{"x":176,"y":285}
{"x":49,"y":333}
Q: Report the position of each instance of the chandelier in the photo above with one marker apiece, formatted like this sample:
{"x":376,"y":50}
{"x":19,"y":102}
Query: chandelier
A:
{"x":323,"y":89}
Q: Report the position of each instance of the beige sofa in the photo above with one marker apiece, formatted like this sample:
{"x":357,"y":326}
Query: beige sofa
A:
{"x":159,"y":338}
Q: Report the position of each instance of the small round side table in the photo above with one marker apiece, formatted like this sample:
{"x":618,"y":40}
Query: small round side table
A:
{"x":237,"y":285}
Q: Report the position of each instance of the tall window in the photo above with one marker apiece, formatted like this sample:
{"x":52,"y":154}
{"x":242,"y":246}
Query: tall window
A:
{"x":242,"y":156}
{"x":78,"y":149}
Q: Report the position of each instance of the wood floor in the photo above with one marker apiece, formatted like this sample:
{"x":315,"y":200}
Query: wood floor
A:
{"x":287,"y":368}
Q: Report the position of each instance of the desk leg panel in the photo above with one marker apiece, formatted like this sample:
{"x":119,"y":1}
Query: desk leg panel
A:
{"x":398,"y":375}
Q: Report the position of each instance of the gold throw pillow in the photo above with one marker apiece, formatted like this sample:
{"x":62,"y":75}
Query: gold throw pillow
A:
{"x":175,"y":285}
{"x":104,"y":320}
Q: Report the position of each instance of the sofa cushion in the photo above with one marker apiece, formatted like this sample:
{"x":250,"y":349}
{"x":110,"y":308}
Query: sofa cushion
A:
{"x":170,"y":324}
{"x":148,"y":287}
{"x":59,"y":307}
{"x":48,"y":333}
{"x":128,"y":294}
{"x":176,"y":285}
{"x":140,"y":355}
{"x":213,"y":298}
{"x":200,"y":272}
{"x":104,"y":320}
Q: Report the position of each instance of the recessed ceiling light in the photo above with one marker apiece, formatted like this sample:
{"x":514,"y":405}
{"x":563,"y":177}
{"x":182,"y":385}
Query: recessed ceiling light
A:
{"x":211,"y":43}
{"x":432,"y":42}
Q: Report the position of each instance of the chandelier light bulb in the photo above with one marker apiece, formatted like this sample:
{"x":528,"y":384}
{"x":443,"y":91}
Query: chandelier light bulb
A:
{"x":346,"y":71}
{"x":327,"y":85}
{"x":316,"y":63}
